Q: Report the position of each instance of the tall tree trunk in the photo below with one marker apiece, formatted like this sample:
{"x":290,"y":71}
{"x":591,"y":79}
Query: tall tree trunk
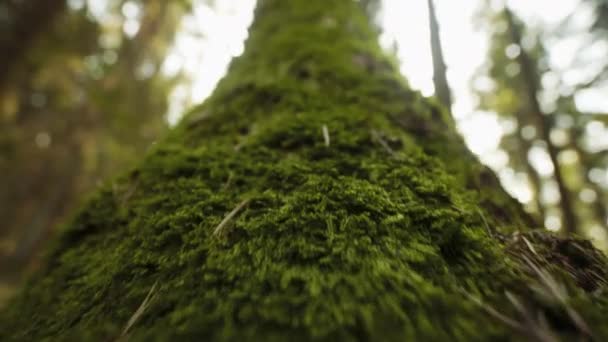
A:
{"x":26,"y":20}
{"x":440,"y":79}
{"x":529,"y":72}
{"x":523,"y":148}
{"x":599,"y":205}
{"x":313,"y":196}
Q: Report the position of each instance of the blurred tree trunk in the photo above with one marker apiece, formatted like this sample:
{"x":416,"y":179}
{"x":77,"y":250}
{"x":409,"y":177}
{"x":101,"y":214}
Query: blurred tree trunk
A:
{"x":312,"y":197}
{"x":523,"y":149}
{"x":96,"y":119}
{"x":440,"y":79}
{"x":529,"y":74}
{"x":26,"y":21}
{"x":599,"y":205}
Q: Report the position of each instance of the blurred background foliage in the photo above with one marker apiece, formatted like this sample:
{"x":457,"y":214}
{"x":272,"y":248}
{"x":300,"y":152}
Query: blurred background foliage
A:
{"x":86,"y":86}
{"x":536,"y":102}
{"x":81,"y":96}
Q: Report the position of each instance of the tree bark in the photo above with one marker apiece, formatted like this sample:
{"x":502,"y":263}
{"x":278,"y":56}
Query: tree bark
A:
{"x":313,"y":196}
{"x":440,"y":79}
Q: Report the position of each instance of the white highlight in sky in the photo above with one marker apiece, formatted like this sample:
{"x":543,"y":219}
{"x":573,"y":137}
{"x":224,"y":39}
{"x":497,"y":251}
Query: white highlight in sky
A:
{"x":208,"y":40}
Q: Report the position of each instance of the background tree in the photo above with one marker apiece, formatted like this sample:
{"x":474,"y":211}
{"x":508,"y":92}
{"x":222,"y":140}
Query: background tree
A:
{"x":592,"y":153}
{"x":517,"y":64}
{"x":84,"y":96}
{"x":21,"y":23}
{"x":440,"y":79}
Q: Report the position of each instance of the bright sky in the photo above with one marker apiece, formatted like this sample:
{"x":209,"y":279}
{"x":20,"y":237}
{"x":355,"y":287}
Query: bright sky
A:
{"x":212,"y":36}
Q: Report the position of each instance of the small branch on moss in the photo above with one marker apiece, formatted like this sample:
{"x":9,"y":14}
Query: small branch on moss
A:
{"x":326,"y":135}
{"x":494,"y":313}
{"x":240,"y":145}
{"x":536,"y":331}
{"x":228,"y":181}
{"x":530,"y":247}
{"x":218,"y":230}
{"x":139,"y":312}
{"x":559,"y":293}
{"x":485,"y":222}
{"x":535,"y":325}
{"x":553,"y":287}
{"x":376,"y":135}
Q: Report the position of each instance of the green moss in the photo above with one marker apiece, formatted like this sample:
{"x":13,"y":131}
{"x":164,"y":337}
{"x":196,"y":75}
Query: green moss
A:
{"x":375,"y":233}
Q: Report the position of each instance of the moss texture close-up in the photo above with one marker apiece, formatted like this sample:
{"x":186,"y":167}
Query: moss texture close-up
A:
{"x":313,"y":196}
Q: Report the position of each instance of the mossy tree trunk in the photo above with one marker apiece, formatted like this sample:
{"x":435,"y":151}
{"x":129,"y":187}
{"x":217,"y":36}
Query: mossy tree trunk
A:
{"x":313,"y":196}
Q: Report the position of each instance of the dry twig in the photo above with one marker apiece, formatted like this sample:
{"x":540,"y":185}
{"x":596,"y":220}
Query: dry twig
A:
{"x":139,"y":312}
{"x":217,"y":231}
{"x":376,"y":135}
{"x":326,"y":135}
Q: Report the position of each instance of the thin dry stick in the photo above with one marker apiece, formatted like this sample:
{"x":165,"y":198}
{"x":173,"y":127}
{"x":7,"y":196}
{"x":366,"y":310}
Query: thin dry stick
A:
{"x":543,"y":336}
{"x":240,"y":145}
{"x":229,"y":217}
{"x":382,"y":143}
{"x":485,"y":222}
{"x":558,"y":292}
{"x":494,"y":313}
{"x":326,"y":135}
{"x":547,"y":280}
{"x":529,"y":245}
{"x":139,"y":312}
{"x":227,"y":184}
{"x":538,"y":330}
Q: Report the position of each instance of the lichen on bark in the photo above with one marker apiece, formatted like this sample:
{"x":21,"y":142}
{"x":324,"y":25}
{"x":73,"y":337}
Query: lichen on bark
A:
{"x":313,"y":196}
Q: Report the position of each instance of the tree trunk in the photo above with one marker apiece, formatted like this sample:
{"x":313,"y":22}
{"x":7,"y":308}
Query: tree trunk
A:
{"x":529,"y":75}
{"x":523,"y":149}
{"x":26,"y":20}
{"x":440,"y":79}
{"x":313,"y":196}
{"x":599,"y":204}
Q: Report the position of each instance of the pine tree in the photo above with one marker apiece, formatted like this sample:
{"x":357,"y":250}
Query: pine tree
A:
{"x":313,"y":196}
